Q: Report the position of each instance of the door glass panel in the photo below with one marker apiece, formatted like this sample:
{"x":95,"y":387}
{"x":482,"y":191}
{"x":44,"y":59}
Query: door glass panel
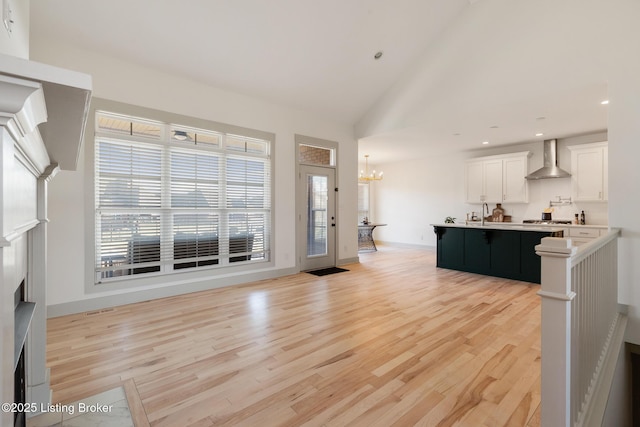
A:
{"x":317,"y":223}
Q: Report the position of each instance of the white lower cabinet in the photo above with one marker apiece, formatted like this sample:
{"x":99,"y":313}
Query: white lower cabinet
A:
{"x":581,"y":235}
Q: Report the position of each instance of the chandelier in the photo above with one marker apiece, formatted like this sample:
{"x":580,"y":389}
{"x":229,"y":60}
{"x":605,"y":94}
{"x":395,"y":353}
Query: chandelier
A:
{"x":365,"y":176}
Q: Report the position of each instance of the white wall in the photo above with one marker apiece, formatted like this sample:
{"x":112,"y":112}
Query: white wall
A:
{"x":424,"y":191}
{"x":414,"y":194}
{"x":16,"y":43}
{"x":128,"y":83}
{"x":624,"y":181}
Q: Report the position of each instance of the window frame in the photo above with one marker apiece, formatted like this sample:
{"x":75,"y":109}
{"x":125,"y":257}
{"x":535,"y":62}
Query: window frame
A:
{"x":171,"y":121}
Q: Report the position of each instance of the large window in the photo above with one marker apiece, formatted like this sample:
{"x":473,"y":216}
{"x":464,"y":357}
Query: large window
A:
{"x":171,"y":198}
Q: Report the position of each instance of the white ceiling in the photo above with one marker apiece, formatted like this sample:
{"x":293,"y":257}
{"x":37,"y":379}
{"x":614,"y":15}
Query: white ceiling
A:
{"x":309,"y":54}
{"x":318,"y":56}
{"x":567,"y":112}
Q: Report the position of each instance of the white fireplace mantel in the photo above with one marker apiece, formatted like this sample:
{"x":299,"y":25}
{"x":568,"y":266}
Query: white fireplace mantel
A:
{"x":66,"y":94}
{"x":43,"y":111}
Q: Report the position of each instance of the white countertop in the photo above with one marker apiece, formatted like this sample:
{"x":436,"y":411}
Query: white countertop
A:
{"x":604,"y":227}
{"x":505,"y":226}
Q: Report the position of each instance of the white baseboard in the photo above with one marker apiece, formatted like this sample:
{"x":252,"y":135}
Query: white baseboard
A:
{"x":98,"y":302}
{"x":344,"y":261}
{"x":406,"y":245}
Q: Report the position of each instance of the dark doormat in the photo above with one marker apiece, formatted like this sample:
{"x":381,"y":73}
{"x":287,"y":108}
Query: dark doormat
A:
{"x":325,"y":271}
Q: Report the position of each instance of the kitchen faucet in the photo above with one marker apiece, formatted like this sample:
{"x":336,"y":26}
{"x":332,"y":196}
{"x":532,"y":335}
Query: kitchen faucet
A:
{"x":484,"y":204}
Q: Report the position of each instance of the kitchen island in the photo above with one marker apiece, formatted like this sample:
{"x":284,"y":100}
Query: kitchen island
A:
{"x":506,"y":251}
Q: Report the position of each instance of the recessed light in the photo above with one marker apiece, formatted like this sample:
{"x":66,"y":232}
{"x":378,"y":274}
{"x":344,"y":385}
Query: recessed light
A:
{"x":540,"y":118}
{"x":539,"y":134}
{"x":456,"y":134}
{"x":494,"y":127}
{"x":485,"y":142}
{"x":378,"y":55}
{"x":605,"y":102}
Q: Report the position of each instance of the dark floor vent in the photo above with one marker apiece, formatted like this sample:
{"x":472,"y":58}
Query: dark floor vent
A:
{"x":104,"y":310}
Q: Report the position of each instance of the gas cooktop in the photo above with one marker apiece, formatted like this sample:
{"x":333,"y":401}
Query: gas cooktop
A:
{"x":551,"y":221}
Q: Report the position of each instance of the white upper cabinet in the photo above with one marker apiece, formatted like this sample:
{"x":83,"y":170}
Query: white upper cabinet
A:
{"x":589,"y":172}
{"x":474,"y":172}
{"x":497,"y":179}
{"x":515,"y":185}
{"x":493,"y":171}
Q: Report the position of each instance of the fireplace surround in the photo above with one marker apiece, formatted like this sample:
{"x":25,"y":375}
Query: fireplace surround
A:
{"x":43,"y":111}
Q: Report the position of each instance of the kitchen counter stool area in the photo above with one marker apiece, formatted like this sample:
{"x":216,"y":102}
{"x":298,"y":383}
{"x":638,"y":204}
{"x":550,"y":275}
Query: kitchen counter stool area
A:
{"x":492,"y":251}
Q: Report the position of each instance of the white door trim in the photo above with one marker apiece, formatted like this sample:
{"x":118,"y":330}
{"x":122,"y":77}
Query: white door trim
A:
{"x":303,"y":167}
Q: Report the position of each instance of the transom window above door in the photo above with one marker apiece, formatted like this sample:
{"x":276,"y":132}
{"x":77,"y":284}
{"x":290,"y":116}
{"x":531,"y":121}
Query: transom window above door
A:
{"x":312,"y":155}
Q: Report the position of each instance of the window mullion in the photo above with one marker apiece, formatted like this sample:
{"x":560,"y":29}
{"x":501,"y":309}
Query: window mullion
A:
{"x":166,"y":216}
{"x":223,"y":237}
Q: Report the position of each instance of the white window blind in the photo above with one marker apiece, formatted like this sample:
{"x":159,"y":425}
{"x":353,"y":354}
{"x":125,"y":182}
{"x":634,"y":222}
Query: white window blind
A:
{"x":170,"y":198}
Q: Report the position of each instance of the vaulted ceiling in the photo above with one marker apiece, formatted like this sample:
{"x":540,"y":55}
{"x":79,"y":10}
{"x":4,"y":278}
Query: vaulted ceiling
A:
{"x":452,"y":73}
{"x":309,"y":54}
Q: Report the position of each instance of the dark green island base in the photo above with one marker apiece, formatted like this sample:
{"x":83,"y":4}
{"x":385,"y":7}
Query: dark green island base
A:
{"x":493,"y":251}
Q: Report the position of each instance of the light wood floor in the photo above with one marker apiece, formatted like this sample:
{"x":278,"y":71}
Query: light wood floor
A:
{"x":392,"y":342}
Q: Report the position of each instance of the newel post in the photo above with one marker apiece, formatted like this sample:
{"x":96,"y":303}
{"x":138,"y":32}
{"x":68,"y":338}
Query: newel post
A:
{"x":556,"y":296}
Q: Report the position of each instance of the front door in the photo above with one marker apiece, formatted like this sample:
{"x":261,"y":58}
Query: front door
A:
{"x":316,"y":217}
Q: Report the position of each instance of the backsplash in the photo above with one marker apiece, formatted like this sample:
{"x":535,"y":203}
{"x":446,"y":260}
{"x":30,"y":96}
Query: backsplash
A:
{"x":595,"y":213}
{"x":541,"y":192}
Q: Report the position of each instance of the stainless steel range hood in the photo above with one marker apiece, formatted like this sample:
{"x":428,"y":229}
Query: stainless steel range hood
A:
{"x":550,"y":168}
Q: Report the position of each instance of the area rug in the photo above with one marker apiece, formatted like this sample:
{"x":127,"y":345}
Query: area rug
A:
{"x":326,"y":271}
